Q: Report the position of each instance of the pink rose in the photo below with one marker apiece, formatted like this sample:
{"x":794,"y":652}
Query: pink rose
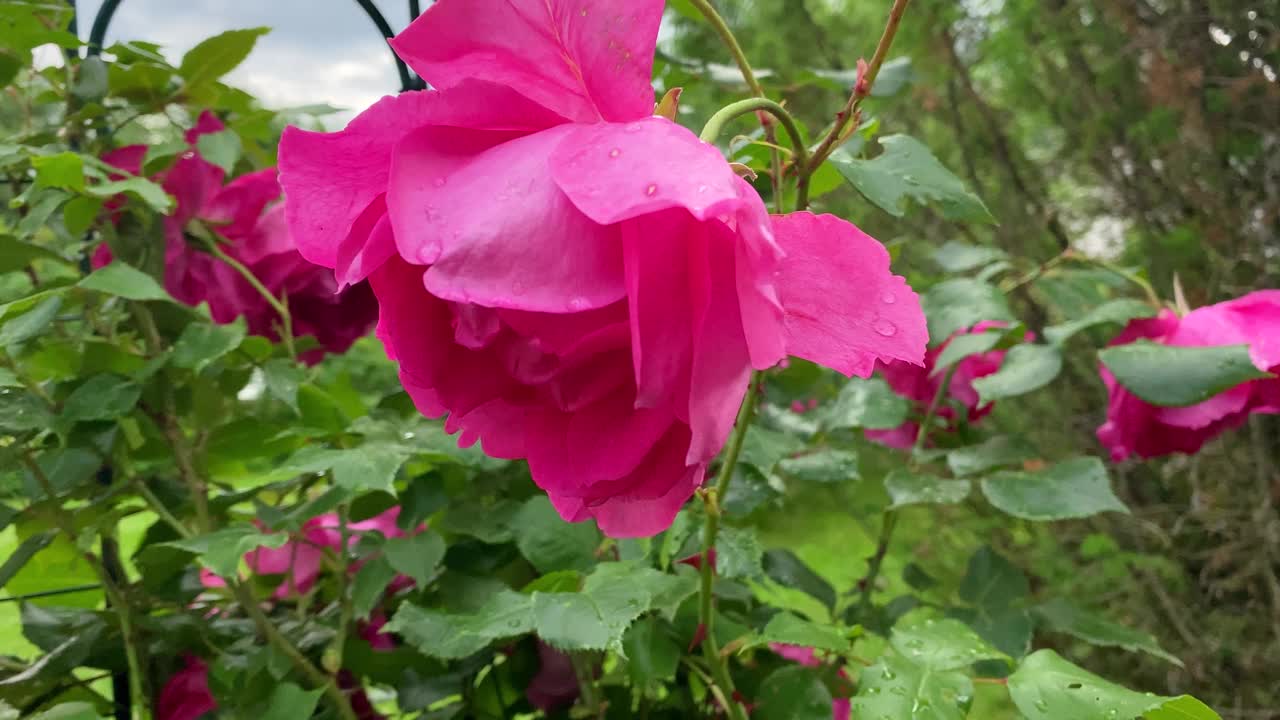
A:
{"x":186,"y":695}
{"x":841,"y":707}
{"x":246,"y":214}
{"x":921,"y":384}
{"x":301,"y":560}
{"x":556,"y":684}
{"x":1135,"y":427}
{"x":571,"y":279}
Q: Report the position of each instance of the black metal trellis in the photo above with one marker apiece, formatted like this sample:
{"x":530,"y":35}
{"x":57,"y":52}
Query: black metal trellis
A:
{"x":408,"y":81}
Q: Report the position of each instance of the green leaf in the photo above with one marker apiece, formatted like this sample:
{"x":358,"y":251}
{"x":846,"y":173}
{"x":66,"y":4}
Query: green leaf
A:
{"x":452,"y":636}
{"x":417,"y":556}
{"x":218,"y":55}
{"x":1062,"y":616}
{"x":1117,"y":311}
{"x":368,"y":467}
{"x":17,"y":255}
{"x":738,"y":553}
{"x":942,"y":645}
{"x":789,"y":629}
{"x":290,"y":702}
{"x":203,"y":343}
{"x":896,"y":688}
{"x":1025,"y":368}
{"x":549,"y":543}
{"x":124,"y":281}
{"x":907,"y":487}
{"x":8,"y":379}
{"x":824,"y":466}
{"x":1183,"y":707}
{"x":793,"y":692}
{"x":907,"y":170}
{"x":1008,"y":629}
{"x":570,"y":621}
{"x":1047,"y":687}
{"x":963,"y":346}
{"x":955,"y":256}
{"x":27,"y":550}
{"x":20,"y":411}
{"x":1172,"y":376}
{"x":29,"y":324}
{"x":962,"y":303}
{"x":221,"y":550}
{"x":370,"y":583}
{"x":221,"y":148}
{"x":148,"y":192}
{"x":559,"y":581}
{"x":64,"y":170}
{"x":991,"y":581}
{"x":866,"y":403}
{"x":79,"y":213}
{"x":763,"y":448}
{"x":7,"y":514}
{"x":282,"y":378}
{"x":1071,"y":489}
{"x":652,"y":655}
{"x":785,"y":568}
{"x":999,"y":451}
{"x":101,"y":397}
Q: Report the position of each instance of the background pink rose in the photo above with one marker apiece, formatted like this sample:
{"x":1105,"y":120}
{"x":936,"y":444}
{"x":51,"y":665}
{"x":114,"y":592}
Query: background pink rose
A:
{"x":572,"y":280}
{"x":246,"y":213}
{"x":1134,"y":427}
{"x":921,"y":384}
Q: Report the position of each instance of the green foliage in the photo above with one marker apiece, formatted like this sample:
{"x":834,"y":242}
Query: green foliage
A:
{"x":1070,"y":489}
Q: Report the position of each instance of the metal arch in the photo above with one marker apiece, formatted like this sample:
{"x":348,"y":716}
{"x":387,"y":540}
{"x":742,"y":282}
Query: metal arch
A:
{"x":102,"y":21}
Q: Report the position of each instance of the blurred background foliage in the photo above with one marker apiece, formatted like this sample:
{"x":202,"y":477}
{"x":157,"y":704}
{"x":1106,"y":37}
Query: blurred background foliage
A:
{"x":1145,"y":132}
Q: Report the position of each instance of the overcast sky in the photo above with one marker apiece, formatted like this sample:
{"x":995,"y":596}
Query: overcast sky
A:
{"x":318,"y":51}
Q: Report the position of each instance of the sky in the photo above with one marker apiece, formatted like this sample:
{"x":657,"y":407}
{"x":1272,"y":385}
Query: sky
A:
{"x":318,"y":51}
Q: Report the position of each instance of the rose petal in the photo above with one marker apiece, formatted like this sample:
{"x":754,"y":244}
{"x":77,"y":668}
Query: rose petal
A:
{"x":658,"y":292}
{"x":528,"y":249}
{"x":236,"y":208}
{"x":330,"y":178}
{"x":844,"y":308}
{"x":585,"y":59}
{"x":721,"y":362}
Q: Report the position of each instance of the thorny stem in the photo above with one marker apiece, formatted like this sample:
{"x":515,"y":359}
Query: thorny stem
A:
{"x":584,"y":671}
{"x":851,"y":107}
{"x":280,"y":306}
{"x":744,"y":66}
{"x":116,"y":599}
{"x":344,"y":588}
{"x":706,"y":616}
{"x":716,"y":124}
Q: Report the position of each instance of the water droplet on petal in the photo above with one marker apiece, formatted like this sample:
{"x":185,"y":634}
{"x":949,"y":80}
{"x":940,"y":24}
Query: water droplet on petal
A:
{"x":439,"y":182}
{"x":702,"y":188}
{"x":634,"y":127}
{"x":615,"y":153}
{"x":651,"y":190}
{"x":885,"y":328}
{"x":518,"y":287}
{"x":576,"y":304}
{"x":888,"y":298}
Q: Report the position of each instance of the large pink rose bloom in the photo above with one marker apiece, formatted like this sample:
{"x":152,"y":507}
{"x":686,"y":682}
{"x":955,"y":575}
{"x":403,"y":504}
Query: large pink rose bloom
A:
{"x":920,"y":384}
{"x":1134,"y":427}
{"x":246,"y":214}
{"x":572,"y":280}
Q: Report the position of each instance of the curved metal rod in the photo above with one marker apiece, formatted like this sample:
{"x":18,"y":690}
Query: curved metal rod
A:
{"x":101,"y":22}
{"x":415,"y":9}
{"x":407,"y":80}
